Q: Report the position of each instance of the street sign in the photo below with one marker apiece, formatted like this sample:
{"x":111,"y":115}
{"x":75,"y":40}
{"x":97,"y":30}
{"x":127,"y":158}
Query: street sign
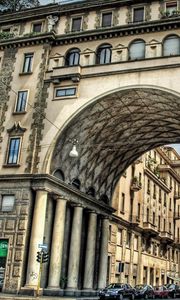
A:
{"x":43,"y":246}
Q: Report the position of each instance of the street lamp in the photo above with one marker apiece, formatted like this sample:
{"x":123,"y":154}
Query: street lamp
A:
{"x":73,"y":152}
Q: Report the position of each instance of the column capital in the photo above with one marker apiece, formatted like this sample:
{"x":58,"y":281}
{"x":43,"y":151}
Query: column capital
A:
{"x":41,"y":188}
{"x":59,"y":197}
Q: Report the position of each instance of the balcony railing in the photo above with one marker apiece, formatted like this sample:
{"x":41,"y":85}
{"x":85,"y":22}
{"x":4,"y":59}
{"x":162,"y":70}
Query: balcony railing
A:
{"x":150,"y":228}
{"x":166,"y":236}
{"x":135,"y":184}
{"x":67,"y":72}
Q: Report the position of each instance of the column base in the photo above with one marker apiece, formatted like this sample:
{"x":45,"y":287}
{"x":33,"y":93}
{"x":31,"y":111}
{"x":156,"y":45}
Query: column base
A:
{"x":30,"y":290}
{"x":53,"y":291}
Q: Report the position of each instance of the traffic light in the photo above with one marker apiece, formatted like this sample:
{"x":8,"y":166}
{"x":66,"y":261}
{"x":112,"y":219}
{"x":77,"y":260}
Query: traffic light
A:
{"x":45,"y":257}
{"x":39,"y":254}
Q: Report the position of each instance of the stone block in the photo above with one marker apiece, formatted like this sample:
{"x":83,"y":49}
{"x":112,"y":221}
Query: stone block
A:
{"x":25,"y":195}
{"x":16,"y":271}
{"x":10,"y":237}
{"x":10,"y":225}
{"x":22,"y":225}
{"x":20,"y":240}
{"x":18,"y":255}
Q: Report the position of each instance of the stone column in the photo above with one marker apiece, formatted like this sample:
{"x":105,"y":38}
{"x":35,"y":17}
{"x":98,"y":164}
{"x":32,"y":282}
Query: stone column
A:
{"x":37,"y":234}
{"x":154,"y":276}
{"x":57,"y":243}
{"x":103,"y":254}
{"x":90,"y":251}
{"x":148,"y":275}
{"x":75,"y":247}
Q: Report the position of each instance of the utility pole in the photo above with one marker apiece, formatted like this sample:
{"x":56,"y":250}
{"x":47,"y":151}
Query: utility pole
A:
{"x":42,"y":257}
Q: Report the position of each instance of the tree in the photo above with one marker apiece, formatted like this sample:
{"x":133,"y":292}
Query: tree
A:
{"x":17,"y":5}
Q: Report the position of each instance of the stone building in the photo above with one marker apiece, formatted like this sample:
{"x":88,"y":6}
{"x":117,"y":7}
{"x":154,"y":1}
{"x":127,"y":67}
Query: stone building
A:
{"x":144,"y":246}
{"x":101,"y":76}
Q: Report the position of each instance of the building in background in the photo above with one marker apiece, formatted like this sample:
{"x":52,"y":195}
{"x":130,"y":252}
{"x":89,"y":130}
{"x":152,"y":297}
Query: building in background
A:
{"x":144,"y":237}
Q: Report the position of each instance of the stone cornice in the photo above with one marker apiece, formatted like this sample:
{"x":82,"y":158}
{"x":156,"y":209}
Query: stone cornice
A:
{"x":98,"y":34}
{"x":52,"y":185}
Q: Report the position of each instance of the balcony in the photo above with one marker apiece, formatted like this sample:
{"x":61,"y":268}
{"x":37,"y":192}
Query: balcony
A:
{"x":177,"y":242}
{"x":134,"y":220}
{"x":135,"y":185}
{"x":177,"y":216}
{"x":62,"y":73}
{"x":150,"y":228}
{"x":176,"y":196}
{"x":166,"y":236}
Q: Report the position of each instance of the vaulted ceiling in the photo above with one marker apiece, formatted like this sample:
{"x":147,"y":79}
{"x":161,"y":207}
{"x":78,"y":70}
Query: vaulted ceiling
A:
{"x":113,"y":132}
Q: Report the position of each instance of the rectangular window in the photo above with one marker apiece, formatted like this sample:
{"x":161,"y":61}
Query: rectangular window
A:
{"x":37,"y":27}
{"x":28,"y":58}
{"x":106,"y":19}
{"x":164,"y":199}
{"x":171,"y":7}
{"x":139,"y":211}
{"x":76,"y":24}
{"x":160,"y":195}
{"x":21,"y":101}
{"x":119,"y":237}
{"x":66,"y":92}
{"x":13,"y":151}
{"x":7,"y":203}
{"x":136,"y":242}
{"x":138,"y":14}
{"x":128,"y":239}
{"x":122,"y":202}
{"x":110,"y":232}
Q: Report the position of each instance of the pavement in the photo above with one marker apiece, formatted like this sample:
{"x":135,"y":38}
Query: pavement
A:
{"x":22,"y":297}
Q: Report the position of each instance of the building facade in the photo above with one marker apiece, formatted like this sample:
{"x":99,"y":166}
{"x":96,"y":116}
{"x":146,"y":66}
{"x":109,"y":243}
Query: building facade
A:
{"x":99,"y":76}
{"x":144,"y":246}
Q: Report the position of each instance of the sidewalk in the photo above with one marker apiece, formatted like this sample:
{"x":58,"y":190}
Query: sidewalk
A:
{"x":22,"y":297}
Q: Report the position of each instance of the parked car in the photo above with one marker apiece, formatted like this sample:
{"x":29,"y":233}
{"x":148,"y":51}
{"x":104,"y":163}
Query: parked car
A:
{"x":144,"y":291}
{"x":161,"y":291}
{"x":117,"y":291}
{"x":174,"y":290}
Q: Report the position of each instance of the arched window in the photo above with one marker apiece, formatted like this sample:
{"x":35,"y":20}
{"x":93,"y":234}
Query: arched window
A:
{"x":76,"y":183}
{"x":91,"y":192}
{"x":104,"y":54}
{"x":105,"y":199}
{"x":72,"y":57}
{"x":59,"y":174}
{"x":171,"y":46}
{"x":137,"y":50}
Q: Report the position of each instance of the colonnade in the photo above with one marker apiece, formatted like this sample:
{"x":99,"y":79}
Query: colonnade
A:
{"x":56,"y":254}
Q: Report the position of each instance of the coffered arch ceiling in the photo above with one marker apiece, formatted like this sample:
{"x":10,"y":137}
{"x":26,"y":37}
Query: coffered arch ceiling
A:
{"x":113,"y":132}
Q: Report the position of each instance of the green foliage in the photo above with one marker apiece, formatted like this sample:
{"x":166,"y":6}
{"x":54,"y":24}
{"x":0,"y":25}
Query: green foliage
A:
{"x":17,"y":5}
{"x":6,"y":35}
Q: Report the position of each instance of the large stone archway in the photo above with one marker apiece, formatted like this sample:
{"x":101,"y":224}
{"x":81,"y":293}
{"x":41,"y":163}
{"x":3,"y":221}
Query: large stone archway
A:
{"x":114,"y":131}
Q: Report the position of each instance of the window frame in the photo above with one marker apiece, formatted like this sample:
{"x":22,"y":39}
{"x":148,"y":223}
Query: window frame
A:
{"x":29,"y":69}
{"x":100,"y":49}
{"x":136,"y":42}
{"x":72,"y":52}
{"x":169,"y":37}
{"x":65,"y":96}
{"x":16,"y":103}
{"x":37,"y":23}
{"x":106,"y":13}
{"x":170,"y":4}
{"x":133,"y":14}
{"x":18,"y":153}
{"x":81,"y":22}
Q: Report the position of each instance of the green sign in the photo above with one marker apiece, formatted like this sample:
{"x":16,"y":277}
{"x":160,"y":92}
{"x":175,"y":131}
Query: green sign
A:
{"x":3,"y":248}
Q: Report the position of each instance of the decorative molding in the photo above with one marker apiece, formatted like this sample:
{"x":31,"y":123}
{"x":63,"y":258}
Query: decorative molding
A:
{"x":148,"y":12}
{"x":115,"y":17}
{"x":16,"y":129}
{"x":85,"y":20}
{"x":97,"y":19}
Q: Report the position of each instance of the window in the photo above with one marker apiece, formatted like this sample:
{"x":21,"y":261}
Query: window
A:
{"x":138,"y":15}
{"x":137,"y":50}
{"x":110,"y":232}
{"x":76,"y":24}
{"x":169,"y":227}
{"x":164,"y":199}
{"x":171,"y":46}
{"x":160,"y":195}
{"x":37,"y":27}
{"x":13,"y":150}
{"x":154,"y":191}
{"x":28,"y":58}
{"x":106,"y":19}
{"x":154,"y":218}
{"x":21,"y":101}
{"x":7,"y":203}
{"x":7,"y":29}
{"x":72,"y":57}
{"x":170,"y":203}
{"x":139,"y":211}
{"x":164,"y":227}
{"x":148,"y":186}
{"x":119,"y":237}
{"x":171,"y":7}
{"x":159,"y":223}
{"x":128,"y":239}
{"x":104,"y":54}
{"x":122,"y":202}
{"x":136,"y":242}
{"x":147,"y":214}
{"x":65,"y":92}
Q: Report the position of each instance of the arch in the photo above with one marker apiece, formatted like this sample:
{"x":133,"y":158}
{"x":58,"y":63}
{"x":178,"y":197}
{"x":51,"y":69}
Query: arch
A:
{"x":171,"y":45}
{"x":59,"y":174}
{"x":135,"y":120}
{"x":104,"y":198}
{"x":76,"y":183}
{"x":91,"y":191}
{"x":103,"y":54}
{"x":72,"y":57}
{"x":136,"y":49}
